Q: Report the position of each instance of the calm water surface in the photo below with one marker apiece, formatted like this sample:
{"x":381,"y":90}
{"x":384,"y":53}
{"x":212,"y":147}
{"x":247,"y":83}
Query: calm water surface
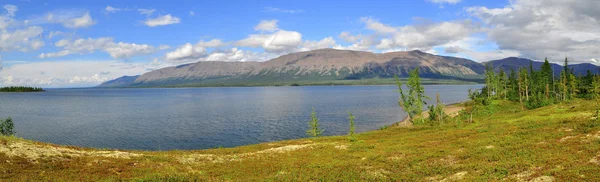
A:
{"x":199,"y":118}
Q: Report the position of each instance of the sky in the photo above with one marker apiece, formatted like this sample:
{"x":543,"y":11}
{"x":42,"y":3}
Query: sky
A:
{"x":82,"y":43}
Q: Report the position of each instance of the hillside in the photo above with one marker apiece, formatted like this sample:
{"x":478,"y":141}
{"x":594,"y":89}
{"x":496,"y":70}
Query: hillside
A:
{"x":516,"y":63}
{"x":554,"y":143}
{"x":321,"y":66}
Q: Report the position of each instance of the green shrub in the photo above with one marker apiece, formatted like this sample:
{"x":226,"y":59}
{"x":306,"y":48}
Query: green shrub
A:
{"x":6,"y":127}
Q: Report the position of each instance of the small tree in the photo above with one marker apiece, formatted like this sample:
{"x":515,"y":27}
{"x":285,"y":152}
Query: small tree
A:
{"x":413,"y":101}
{"x":6,"y":127}
{"x":351,"y":135}
{"x":314,"y":130}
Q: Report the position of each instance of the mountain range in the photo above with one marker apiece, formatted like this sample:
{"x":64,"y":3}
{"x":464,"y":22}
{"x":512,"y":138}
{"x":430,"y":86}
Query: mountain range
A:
{"x":325,"y":66}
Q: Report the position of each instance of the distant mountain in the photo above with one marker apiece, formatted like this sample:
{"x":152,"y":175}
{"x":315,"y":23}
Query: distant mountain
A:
{"x":310,"y":66}
{"x":123,"y":81}
{"x":516,"y":63}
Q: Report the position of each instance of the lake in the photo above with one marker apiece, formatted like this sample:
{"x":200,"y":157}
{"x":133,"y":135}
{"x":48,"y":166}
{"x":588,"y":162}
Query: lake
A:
{"x":200,"y":118}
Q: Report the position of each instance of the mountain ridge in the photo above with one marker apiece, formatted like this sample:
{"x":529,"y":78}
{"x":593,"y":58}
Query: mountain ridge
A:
{"x":318,"y":66}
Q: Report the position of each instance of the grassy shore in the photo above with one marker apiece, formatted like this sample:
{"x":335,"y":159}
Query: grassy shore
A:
{"x":559,"y":142}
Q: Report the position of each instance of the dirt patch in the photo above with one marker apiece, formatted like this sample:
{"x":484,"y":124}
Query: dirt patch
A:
{"x":543,"y":179}
{"x":450,"y":110}
{"x":449,"y":160}
{"x":564,"y":139}
{"x":34,"y":152}
{"x":595,"y":160}
{"x":528,"y":175}
{"x":342,"y":147}
{"x":199,"y":158}
{"x":455,"y":177}
{"x":379,"y":173}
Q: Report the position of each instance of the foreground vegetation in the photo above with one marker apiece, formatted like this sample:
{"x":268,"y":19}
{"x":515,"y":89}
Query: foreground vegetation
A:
{"x":560,"y":142}
{"x":21,"y":89}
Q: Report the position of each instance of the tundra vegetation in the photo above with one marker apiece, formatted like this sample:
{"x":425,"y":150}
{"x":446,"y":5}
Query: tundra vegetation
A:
{"x":533,"y":128}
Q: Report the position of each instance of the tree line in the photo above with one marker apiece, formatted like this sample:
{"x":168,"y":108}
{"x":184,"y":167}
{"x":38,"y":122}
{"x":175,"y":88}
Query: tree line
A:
{"x":534,"y":89}
{"x":21,"y":89}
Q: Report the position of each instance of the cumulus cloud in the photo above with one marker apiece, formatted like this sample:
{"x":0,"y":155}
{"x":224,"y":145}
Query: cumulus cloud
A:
{"x":21,"y":39}
{"x":326,"y":42}
{"x":211,"y":43}
{"x":279,"y":41}
{"x":539,"y":29}
{"x":186,"y":52}
{"x":119,"y":50}
{"x":267,"y":25}
{"x":189,"y":53}
{"x":346,"y":36}
{"x":53,"y":34}
{"x":146,"y":12}
{"x":162,"y":21}
{"x":80,"y":22}
{"x":422,"y":36}
{"x":280,"y":10}
{"x":10,"y":9}
{"x":71,"y":73}
{"x":110,"y":9}
{"x":445,"y":1}
{"x":164,"y":47}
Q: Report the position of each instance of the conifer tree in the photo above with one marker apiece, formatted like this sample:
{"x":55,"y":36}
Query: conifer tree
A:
{"x":413,"y":101}
{"x":314,"y":130}
{"x":352,"y":129}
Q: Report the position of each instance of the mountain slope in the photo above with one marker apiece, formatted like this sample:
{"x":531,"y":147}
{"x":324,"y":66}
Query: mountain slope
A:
{"x":516,"y":63}
{"x":119,"y":82}
{"x":312,"y":66}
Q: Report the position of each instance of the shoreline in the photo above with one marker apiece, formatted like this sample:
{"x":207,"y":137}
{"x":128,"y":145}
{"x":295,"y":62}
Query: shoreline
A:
{"x":450,"y":110}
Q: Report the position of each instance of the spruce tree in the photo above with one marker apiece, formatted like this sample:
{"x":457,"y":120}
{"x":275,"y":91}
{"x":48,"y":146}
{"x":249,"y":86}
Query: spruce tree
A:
{"x":314,"y":130}
{"x":351,"y":135}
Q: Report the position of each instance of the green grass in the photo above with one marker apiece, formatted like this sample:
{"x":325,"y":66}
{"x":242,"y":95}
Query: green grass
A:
{"x":503,"y":143}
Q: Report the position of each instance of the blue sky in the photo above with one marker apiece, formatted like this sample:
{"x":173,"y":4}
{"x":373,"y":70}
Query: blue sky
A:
{"x":83,"y":43}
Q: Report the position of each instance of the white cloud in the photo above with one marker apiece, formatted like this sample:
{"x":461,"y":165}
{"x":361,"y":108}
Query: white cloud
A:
{"x":119,"y":50}
{"x":410,"y":37}
{"x":146,"y":12}
{"x":211,"y":43}
{"x":378,"y":27}
{"x":53,"y":34}
{"x":481,"y":56}
{"x":127,"y":50}
{"x":537,"y":29}
{"x":80,"y":22}
{"x":21,"y":39}
{"x":279,"y":10}
{"x":326,"y":42}
{"x":346,"y":36}
{"x":193,"y":53}
{"x":110,"y":9}
{"x":267,"y":25}
{"x":71,"y":73}
{"x":192,"y":13}
{"x":162,"y":20}
{"x":187,"y":51}
{"x":164,"y":47}
{"x":445,"y":1}
{"x":280,"y":41}
{"x":10,"y":9}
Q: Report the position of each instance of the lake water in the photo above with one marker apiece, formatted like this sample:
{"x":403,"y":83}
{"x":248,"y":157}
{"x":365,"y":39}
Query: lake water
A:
{"x":200,"y":118}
